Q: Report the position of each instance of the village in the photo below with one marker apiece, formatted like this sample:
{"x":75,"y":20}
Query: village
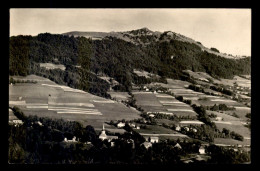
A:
{"x":167,"y":114}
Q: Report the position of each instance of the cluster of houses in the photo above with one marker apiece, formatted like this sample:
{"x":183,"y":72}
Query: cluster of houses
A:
{"x":16,"y":122}
{"x":13,"y":120}
{"x":73,"y":140}
{"x":186,"y":128}
{"x":122,"y":124}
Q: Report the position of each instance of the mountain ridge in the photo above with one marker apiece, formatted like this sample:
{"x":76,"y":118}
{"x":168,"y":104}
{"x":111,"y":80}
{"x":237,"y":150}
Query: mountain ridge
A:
{"x":140,"y":36}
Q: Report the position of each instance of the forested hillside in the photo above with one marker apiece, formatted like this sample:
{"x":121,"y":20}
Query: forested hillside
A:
{"x":85,"y":58}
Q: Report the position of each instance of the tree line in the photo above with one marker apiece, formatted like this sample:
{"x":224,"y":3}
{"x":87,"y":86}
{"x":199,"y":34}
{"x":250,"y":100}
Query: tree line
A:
{"x":117,"y":58}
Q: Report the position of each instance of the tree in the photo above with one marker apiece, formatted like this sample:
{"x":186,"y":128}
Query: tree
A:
{"x":214,"y":49}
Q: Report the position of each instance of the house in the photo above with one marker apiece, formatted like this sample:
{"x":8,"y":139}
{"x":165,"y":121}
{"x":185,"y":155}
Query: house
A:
{"x":132,"y":125}
{"x":218,"y":118}
{"x":202,"y":150}
{"x":131,"y":141}
{"x":178,"y":128}
{"x":152,"y":115}
{"x":137,"y":127}
{"x":120,"y":124}
{"x":38,"y":123}
{"x":154,"y":139}
{"x":73,"y":139}
{"x":177,"y":146}
{"x":194,"y":130}
{"x":110,"y":138}
{"x":112,"y":144}
{"x":186,"y":128}
{"x":146,"y":89}
{"x":147,"y":144}
{"x":18,"y":122}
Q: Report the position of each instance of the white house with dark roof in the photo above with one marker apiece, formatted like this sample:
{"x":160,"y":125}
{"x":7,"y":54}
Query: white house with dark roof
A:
{"x":120,"y":124}
{"x":177,"y":128}
{"x":178,"y":146}
{"x":202,"y":150}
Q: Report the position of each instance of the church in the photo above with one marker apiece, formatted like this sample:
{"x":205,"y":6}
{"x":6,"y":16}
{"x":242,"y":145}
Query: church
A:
{"x":104,"y":136}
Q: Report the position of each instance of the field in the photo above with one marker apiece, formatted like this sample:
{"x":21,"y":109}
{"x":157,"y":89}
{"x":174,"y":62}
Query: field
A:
{"x":55,"y":101}
{"x":229,"y":141}
{"x":11,"y":115}
{"x":120,"y":96}
{"x":52,"y":66}
{"x":241,"y":112}
{"x":144,"y":74}
{"x":203,"y":77}
{"x":179,"y":88}
{"x":163,"y":103}
{"x":233,"y":124}
{"x":239,"y":80}
{"x":161,"y":132}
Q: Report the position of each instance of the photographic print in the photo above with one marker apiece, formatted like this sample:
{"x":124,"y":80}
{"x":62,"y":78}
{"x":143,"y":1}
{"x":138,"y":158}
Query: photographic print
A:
{"x":129,"y":86}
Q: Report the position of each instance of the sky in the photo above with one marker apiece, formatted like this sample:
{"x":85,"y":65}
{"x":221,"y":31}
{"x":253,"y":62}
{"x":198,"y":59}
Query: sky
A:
{"x":228,"y":30}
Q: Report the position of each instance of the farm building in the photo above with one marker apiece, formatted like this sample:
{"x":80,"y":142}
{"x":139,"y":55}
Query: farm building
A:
{"x":147,"y":144}
{"x":154,"y":139}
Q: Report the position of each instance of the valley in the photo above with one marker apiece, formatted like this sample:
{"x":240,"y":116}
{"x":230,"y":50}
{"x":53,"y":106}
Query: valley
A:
{"x":135,"y":91}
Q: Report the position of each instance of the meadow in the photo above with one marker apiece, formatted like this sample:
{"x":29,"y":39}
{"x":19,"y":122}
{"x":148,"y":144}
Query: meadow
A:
{"x":51,"y":100}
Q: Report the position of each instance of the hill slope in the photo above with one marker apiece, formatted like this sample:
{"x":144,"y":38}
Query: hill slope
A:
{"x":145,"y":36}
{"x":164,"y":54}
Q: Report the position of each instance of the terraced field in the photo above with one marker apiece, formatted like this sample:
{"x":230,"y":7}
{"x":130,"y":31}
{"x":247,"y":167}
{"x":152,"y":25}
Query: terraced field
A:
{"x":55,"y":101}
{"x":161,"y":132}
{"x":162,"y":103}
{"x":233,"y":124}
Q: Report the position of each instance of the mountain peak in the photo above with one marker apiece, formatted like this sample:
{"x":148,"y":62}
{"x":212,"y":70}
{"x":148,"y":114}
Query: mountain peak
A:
{"x":143,"y":30}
